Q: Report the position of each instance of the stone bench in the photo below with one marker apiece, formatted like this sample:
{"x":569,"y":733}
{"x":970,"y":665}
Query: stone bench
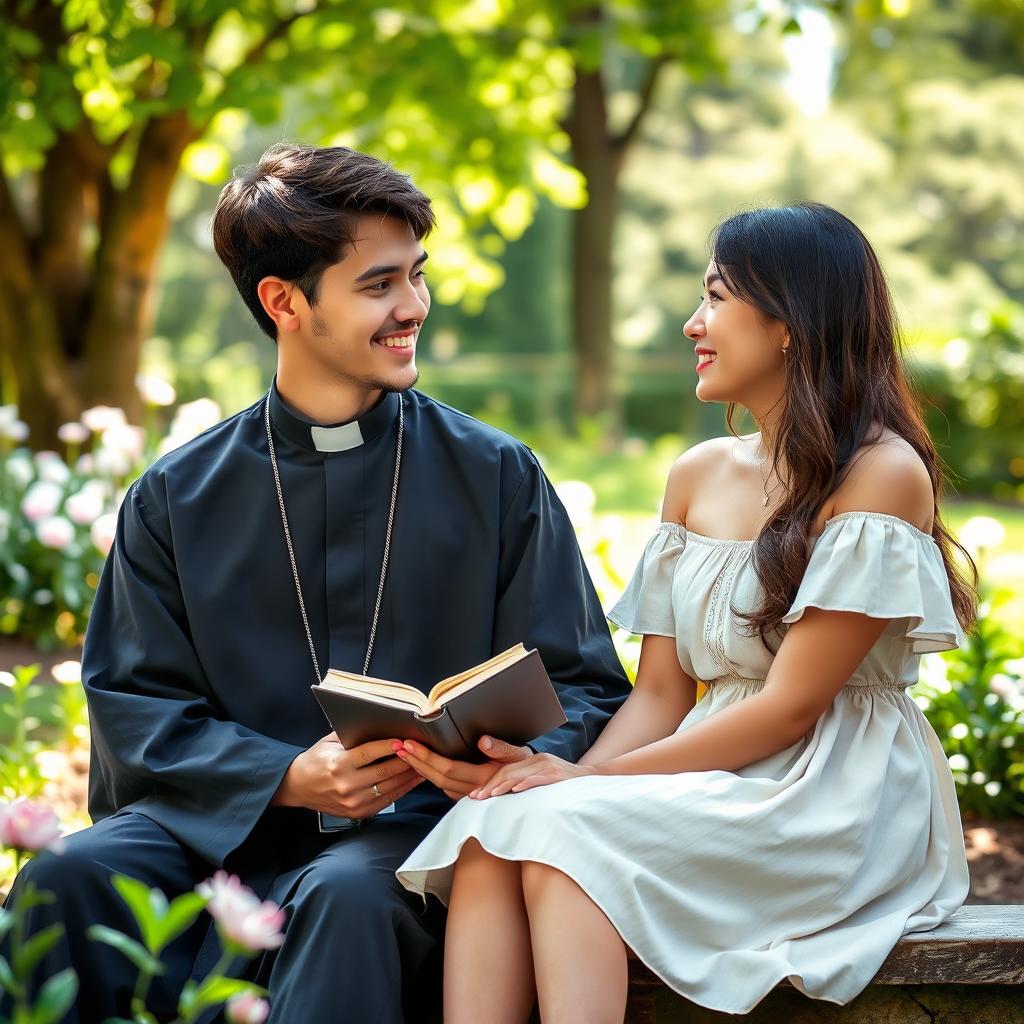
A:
{"x":969,"y":970}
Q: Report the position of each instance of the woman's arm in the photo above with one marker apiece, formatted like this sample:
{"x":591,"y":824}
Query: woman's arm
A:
{"x":662,"y":696}
{"x":817,"y":657}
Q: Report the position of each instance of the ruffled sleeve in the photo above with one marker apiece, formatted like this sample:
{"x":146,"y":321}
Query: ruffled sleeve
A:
{"x":646,"y":604}
{"x":881,"y":566}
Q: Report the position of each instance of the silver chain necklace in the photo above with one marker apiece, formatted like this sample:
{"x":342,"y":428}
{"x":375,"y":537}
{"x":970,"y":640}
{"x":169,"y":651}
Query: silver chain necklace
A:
{"x":291,"y":549}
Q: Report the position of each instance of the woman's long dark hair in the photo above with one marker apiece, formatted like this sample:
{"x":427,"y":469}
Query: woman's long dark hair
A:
{"x":811,"y":268}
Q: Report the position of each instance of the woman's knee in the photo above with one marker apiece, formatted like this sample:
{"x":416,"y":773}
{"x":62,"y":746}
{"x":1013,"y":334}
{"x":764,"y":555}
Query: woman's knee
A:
{"x":539,"y":879}
{"x":475,"y":861}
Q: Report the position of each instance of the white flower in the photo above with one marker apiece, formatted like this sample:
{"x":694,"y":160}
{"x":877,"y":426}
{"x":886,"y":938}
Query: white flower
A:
{"x":16,"y":431}
{"x":8,"y":414}
{"x":55,"y":532}
{"x":1004,"y":686}
{"x":86,"y":465}
{"x":155,"y":390}
{"x":122,"y":437}
{"x":103,"y":531}
{"x":73,"y":433}
{"x":41,"y":500}
{"x":99,"y":417}
{"x":67,"y":672}
{"x":86,"y":506}
{"x":959,"y":731}
{"x":993,"y":787}
{"x":21,"y":468}
{"x":50,"y":466}
{"x":193,"y":418}
{"x":958,"y":763}
{"x":579,"y":500}
{"x":980,"y":532}
{"x":7,"y":679}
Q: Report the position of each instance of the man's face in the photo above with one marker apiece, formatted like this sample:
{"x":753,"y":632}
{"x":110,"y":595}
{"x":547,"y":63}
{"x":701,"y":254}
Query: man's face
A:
{"x":365,"y":324}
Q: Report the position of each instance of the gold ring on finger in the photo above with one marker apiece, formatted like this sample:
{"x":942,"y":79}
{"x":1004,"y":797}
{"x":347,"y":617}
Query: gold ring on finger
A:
{"x":376,"y":791}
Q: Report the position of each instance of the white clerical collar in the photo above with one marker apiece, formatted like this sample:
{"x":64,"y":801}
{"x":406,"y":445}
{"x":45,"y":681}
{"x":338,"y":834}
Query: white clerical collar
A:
{"x":339,"y":437}
{"x":336,"y":439}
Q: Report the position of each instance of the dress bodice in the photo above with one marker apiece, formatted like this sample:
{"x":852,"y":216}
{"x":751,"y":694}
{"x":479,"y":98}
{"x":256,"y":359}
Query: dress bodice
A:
{"x":687,"y":586}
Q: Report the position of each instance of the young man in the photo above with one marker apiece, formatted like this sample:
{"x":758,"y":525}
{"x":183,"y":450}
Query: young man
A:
{"x":344,"y":521}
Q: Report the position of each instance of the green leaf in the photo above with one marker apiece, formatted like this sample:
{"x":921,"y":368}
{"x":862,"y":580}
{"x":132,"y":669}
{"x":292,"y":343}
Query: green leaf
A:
{"x":55,"y":998}
{"x":217,"y":989}
{"x":181,"y":914}
{"x":33,"y":896}
{"x":26,"y":958}
{"x":134,"y":951}
{"x":146,"y":908}
{"x":8,"y":983}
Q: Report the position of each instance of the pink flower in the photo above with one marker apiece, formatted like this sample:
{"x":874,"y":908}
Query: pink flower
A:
{"x":41,"y":500}
{"x":241,"y":919}
{"x":86,"y":506}
{"x":29,"y":826}
{"x":56,"y":533}
{"x":99,"y":417}
{"x":247,"y":1009}
{"x":73,"y":433}
{"x":103,"y":531}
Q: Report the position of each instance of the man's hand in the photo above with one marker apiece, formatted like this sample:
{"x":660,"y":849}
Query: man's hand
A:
{"x":459,"y":778}
{"x":329,"y":778}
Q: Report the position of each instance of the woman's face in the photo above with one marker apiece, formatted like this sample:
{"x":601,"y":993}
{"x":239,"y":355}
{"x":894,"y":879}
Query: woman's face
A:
{"x":738,"y":348}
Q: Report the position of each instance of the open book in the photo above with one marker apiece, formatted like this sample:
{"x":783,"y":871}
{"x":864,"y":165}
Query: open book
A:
{"x":510,"y":697}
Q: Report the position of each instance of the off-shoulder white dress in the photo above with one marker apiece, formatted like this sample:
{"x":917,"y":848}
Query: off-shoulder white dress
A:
{"x":807,"y":865}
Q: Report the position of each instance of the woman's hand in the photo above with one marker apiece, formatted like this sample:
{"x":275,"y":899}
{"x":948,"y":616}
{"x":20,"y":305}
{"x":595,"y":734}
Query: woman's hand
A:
{"x":457,"y":779}
{"x":538,"y":770}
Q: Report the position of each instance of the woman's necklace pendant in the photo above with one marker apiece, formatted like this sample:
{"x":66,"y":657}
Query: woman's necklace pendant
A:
{"x":764,"y":504}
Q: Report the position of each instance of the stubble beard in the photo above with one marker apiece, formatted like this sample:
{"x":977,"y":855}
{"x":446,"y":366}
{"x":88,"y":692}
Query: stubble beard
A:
{"x":322,"y":329}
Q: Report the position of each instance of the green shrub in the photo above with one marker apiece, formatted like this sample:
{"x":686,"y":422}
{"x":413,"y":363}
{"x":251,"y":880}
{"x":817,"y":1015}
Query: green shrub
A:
{"x":974,"y":699}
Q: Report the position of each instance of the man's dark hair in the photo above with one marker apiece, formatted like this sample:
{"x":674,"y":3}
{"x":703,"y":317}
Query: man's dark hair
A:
{"x":292,"y":215}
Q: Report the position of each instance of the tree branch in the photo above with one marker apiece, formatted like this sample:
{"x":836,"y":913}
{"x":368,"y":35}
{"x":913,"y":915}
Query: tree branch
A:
{"x":277,"y":32}
{"x":623,"y":141}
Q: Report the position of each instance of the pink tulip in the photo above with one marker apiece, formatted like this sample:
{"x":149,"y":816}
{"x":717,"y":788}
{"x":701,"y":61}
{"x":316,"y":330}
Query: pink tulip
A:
{"x":247,"y":1009}
{"x":29,"y":826}
{"x":241,"y":918}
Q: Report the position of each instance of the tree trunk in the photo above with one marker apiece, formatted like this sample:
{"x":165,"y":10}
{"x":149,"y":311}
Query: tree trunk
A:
{"x":596,"y":156}
{"x":30,"y":337}
{"x":71,"y":327}
{"x":126,"y":265}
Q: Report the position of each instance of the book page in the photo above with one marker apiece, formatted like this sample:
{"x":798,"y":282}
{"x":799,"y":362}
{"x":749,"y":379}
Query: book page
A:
{"x":381,"y":691}
{"x":451,"y":687}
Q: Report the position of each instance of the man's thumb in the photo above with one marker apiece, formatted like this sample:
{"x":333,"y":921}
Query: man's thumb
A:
{"x":499,"y":750}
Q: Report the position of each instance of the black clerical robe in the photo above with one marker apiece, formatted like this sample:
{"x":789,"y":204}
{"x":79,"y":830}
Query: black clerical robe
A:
{"x":196,"y":662}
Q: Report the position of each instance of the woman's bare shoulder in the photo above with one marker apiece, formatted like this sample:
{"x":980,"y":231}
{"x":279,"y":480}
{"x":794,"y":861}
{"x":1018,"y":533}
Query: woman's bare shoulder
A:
{"x":888,"y":476}
{"x":692,"y":471}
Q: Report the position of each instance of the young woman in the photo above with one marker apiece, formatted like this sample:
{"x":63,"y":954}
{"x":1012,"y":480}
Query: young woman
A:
{"x":800,"y":817}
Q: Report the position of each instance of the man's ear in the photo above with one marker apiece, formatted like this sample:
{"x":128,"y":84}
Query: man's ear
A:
{"x":278,"y":300}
